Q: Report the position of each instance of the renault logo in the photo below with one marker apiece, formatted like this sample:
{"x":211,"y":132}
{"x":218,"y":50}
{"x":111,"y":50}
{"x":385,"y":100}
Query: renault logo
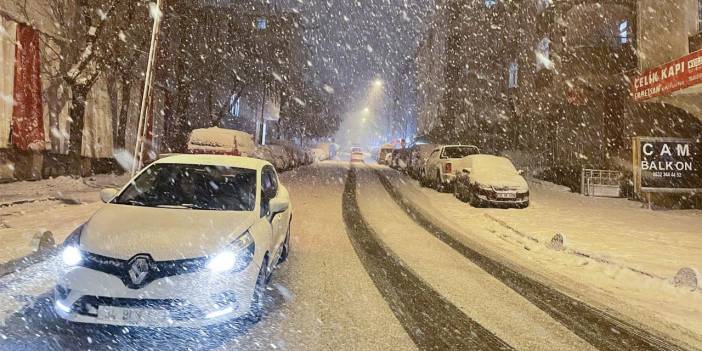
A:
{"x":139,"y":269}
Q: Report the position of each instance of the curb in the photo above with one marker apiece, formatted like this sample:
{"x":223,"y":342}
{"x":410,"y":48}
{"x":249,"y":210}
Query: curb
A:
{"x":27,"y":201}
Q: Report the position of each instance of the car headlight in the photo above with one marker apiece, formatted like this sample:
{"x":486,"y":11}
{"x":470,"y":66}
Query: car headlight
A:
{"x":236,"y":256}
{"x":71,"y":254}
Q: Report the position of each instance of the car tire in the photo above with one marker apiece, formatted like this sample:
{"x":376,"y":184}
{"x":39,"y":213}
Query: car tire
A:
{"x":259,"y":294}
{"x":286,"y":247}
{"x":457,"y":192}
{"x":422,"y":180}
{"x":474,"y":200}
{"x":439,"y":185}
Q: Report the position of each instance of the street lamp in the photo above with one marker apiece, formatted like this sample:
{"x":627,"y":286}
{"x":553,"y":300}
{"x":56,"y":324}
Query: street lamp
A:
{"x":378,"y":83}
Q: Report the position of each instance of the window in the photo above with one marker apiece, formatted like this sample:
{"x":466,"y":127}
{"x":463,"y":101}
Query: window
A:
{"x":513,"y":75}
{"x":269,"y":189}
{"x":543,"y":55}
{"x":269,"y":182}
{"x":235,"y":105}
{"x":191,"y":186}
{"x":261,"y":23}
{"x":624,"y":32}
{"x":490,"y":3}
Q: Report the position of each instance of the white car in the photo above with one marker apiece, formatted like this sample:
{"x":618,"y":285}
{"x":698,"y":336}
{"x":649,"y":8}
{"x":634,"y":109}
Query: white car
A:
{"x":438,"y":169}
{"x":356,"y":154}
{"x":190,"y":241}
{"x":486,"y":180}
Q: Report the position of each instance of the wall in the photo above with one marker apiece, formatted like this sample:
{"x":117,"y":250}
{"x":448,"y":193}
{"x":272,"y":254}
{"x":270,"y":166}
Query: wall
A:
{"x":663,"y":33}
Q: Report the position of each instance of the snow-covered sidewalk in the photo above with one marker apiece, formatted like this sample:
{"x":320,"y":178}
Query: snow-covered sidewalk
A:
{"x":56,"y":205}
{"x":617,"y":255}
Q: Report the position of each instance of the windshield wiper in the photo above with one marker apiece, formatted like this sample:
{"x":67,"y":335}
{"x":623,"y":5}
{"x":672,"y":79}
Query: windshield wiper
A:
{"x":173,"y":206}
{"x":131,"y":202}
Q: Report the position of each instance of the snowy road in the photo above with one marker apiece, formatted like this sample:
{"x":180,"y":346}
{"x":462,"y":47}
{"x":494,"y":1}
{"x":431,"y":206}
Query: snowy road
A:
{"x":369,"y":277}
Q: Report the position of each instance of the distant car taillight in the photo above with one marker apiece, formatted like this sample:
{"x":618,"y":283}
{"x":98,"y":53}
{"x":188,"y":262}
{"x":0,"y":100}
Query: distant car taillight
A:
{"x":447,"y":168}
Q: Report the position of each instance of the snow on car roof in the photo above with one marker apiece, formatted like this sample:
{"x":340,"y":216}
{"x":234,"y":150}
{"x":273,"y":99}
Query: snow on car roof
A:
{"x":216,"y":160}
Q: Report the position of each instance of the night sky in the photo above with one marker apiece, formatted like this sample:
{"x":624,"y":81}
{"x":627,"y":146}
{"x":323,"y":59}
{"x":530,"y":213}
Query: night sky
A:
{"x":354,"y":42}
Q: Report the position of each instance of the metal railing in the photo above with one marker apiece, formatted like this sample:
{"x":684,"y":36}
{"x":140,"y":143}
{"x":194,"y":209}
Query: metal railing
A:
{"x":599,"y":182}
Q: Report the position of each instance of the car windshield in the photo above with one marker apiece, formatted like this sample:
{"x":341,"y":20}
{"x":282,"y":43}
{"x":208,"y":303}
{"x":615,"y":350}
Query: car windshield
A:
{"x":459,"y":151}
{"x":200,"y":187}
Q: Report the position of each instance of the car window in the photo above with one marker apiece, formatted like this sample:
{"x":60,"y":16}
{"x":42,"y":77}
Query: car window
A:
{"x":459,"y":151}
{"x":201,"y":187}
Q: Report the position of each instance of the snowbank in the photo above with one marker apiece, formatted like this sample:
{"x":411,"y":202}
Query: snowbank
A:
{"x":220,"y":140}
{"x":618,"y":254}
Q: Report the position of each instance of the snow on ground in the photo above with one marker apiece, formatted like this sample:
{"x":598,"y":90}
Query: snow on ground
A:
{"x":616,"y":229}
{"x":58,"y":205}
{"x":478,"y":294}
{"x":321,"y":298}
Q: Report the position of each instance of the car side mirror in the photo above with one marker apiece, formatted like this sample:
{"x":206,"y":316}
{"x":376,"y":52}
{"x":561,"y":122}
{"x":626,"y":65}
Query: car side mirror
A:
{"x":278,"y":205}
{"x":106,"y":195}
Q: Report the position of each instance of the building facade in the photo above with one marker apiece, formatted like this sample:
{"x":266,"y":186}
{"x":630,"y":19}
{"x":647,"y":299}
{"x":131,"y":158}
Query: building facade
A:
{"x":551,"y":79}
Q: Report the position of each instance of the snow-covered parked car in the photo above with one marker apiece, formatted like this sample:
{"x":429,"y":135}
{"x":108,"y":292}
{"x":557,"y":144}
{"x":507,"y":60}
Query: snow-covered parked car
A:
{"x":221,"y":141}
{"x":383,"y":152}
{"x":189,"y":241}
{"x":418,"y":157}
{"x":439,"y":168}
{"x":490,"y":180}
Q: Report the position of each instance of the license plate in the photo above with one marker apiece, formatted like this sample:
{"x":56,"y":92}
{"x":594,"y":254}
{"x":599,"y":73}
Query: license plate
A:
{"x":507,"y":195}
{"x":131,"y":315}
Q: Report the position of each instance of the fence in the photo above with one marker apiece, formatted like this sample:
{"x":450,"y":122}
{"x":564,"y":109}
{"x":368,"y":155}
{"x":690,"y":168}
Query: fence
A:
{"x":597,"y":182}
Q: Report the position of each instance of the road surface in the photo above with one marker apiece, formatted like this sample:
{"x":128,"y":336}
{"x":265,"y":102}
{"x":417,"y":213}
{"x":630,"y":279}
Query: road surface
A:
{"x":366,"y":273}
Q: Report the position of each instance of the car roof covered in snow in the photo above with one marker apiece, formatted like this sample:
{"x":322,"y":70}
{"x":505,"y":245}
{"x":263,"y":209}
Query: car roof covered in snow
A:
{"x":216,"y":160}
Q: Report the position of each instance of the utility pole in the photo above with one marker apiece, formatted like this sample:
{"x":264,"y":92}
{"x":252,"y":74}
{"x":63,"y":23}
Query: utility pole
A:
{"x":148,"y":90}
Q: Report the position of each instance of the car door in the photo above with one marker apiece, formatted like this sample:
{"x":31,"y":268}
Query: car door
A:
{"x":270,"y":190}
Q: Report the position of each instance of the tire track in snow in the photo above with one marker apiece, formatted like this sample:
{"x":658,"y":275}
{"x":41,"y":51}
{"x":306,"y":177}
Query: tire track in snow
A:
{"x":431,"y":321}
{"x":597,"y":327}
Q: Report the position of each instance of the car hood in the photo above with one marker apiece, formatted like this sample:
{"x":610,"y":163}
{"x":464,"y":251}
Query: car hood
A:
{"x":123,"y":231}
{"x":501,"y":180}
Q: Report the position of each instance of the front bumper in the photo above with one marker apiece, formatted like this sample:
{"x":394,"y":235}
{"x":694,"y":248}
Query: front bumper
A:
{"x":490,"y":197}
{"x":187,"y":300}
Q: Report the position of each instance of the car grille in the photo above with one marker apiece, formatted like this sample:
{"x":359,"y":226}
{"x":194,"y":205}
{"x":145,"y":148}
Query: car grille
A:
{"x":157,"y":269}
{"x":178,"y":309}
{"x":504,"y":188}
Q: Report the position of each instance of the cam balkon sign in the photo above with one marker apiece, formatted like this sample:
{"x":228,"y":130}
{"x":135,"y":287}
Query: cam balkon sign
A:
{"x":667,"y":165}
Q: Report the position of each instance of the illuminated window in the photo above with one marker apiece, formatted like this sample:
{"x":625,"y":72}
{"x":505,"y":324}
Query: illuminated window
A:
{"x":513,"y":75}
{"x":235,"y":105}
{"x":261,"y":23}
{"x":624,"y":32}
{"x":490,"y":3}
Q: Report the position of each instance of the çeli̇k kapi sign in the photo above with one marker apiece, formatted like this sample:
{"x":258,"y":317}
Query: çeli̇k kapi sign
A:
{"x":667,"y":165}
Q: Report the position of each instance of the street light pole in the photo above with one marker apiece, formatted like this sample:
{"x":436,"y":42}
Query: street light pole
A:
{"x":148,"y":90}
